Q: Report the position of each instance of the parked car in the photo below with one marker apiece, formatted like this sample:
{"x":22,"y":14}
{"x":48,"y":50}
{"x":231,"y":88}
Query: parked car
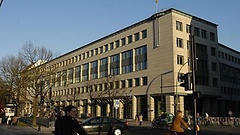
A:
{"x":104,"y":125}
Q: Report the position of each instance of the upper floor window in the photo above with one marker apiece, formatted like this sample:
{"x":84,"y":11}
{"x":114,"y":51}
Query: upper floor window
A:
{"x":123,"y":41}
{"x":180,"y":42}
{"x":178,"y":25}
{"x":180,"y":59}
{"x":106,"y":47}
{"x":196,"y":31}
{"x":111,"y":46}
{"x":204,"y":34}
{"x":212,"y":36}
{"x":101,"y":49}
{"x":136,"y":36}
{"x":117,"y":43}
{"x":144,"y":34}
{"x":129,"y":39}
{"x":188,"y":28}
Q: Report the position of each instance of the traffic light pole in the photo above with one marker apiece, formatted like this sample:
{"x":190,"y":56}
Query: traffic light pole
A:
{"x":193,"y":66}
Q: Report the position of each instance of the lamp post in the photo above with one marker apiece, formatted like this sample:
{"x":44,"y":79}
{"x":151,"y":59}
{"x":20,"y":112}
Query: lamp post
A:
{"x":165,"y":73}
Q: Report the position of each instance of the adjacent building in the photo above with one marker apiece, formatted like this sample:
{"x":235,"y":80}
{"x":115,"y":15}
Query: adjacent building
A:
{"x":136,"y":70}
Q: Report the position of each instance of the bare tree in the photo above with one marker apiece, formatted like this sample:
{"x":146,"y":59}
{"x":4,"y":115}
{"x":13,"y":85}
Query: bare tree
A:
{"x":10,"y":70}
{"x":36,"y":77}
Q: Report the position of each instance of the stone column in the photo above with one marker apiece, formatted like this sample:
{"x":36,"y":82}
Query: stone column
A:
{"x":89,"y":111}
{"x":98,"y":110}
{"x":181,"y":103}
{"x":80,"y":107}
{"x":134,"y":106}
{"x":108,"y":109}
{"x":151,"y":105}
{"x":121,"y":110}
{"x":170,"y":104}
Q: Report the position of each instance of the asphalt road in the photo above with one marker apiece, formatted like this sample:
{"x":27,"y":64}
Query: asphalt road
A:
{"x":133,"y":130}
{"x":211,"y":130}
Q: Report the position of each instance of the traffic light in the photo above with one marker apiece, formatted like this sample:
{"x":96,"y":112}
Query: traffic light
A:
{"x":187,"y":81}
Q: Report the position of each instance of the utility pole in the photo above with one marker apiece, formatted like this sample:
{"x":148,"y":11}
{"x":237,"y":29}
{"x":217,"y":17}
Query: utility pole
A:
{"x":193,"y":67}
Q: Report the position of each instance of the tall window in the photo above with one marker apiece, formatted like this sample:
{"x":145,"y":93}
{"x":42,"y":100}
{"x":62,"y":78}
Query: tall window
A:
{"x":196,"y":31}
{"x":94,"y":70}
{"x":129,"y":39}
{"x":111,"y":46}
{"x":127,"y":61}
{"x":85,"y":72}
{"x":204,"y":34}
{"x":180,"y":42}
{"x":129,"y":82}
{"x":188,"y":28}
{"x":178,"y":25}
{"x":114,"y":64}
{"x":70,"y":75}
{"x":180,"y":59}
{"x":123,"y":41}
{"x":104,"y":67}
{"x":145,"y":81}
{"x":101,"y":49}
{"x":106,"y":47}
{"x":144,"y":34}
{"x":212,"y":36}
{"x":136,"y":36}
{"x":77,"y":74}
{"x":64,"y":77}
{"x":123,"y":82}
{"x":141,"y":58}
{"x":137,"y":82}
{"x":58,"y":78}
{"x":117,"y":43}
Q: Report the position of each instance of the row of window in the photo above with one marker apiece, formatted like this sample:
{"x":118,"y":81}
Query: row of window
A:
{"x":128,"y":83}
{"x":121,"y":42}
{"x":228,"y":57}
{"x":100,"y":68}
{"x":197,"y":31}
{"x":230,"y":91}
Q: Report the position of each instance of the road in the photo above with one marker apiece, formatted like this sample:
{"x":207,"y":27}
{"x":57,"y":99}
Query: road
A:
{"x":211,"y":130}
{"x":133,"y":130}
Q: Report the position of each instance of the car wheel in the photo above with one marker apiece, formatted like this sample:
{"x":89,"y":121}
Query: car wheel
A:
{"x":117,"y":131}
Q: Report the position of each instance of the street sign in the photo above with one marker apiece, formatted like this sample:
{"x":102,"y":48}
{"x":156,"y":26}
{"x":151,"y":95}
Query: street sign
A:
{"x":116,"y":103}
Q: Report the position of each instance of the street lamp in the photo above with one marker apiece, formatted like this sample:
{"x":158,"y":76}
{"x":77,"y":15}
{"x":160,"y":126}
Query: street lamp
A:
{"x":165,"y":73}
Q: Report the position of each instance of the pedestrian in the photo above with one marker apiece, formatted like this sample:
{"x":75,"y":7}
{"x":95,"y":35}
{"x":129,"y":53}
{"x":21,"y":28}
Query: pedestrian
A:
{"x":68,"y":125}
{"x":140,"y":117}
{"x":136,"y":119}
{"x":206,"y":119}
{"x":178,"y":122}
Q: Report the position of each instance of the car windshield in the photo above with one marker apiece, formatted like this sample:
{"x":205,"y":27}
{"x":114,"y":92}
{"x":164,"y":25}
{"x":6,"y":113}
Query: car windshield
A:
{"x":85,"y":121}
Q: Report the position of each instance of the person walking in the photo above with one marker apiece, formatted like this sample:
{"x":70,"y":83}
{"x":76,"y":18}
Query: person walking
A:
{"x":68,"y":125}
{"x":136,"y":119}
{"x":178,"y":122}
{"x":140,"y":119}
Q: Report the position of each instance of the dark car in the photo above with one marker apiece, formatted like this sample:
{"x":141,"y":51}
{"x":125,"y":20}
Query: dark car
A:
{"x":104,"y":125}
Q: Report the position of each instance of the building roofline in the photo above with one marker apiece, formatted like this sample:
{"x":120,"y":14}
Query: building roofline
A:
{"x":156,"y":15}
{"x":226,"y":47}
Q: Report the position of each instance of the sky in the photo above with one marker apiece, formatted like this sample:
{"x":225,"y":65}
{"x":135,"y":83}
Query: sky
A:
{"x":65,"y":25}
